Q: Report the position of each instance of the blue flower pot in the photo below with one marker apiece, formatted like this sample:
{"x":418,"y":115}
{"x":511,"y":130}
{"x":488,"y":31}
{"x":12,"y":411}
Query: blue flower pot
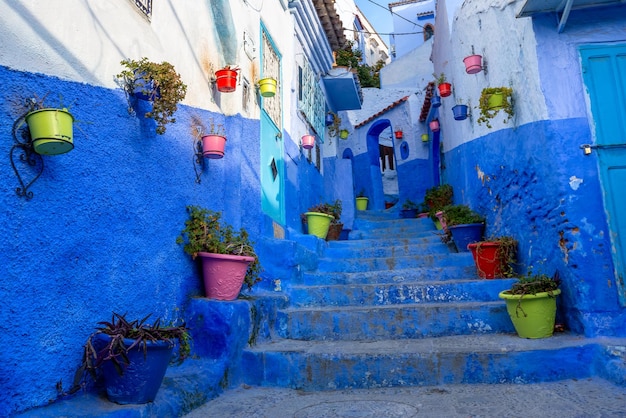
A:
{"x":465,"y":234}
{"x":435,"y":101}
{"x":142,"y":377}
{"x":460,"y":112}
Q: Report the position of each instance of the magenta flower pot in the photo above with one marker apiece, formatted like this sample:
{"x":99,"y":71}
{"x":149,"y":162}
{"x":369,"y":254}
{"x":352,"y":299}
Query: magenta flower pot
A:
{"x":213,"y":146}
{"x":473,"y":64}
{"x":308,"y":141}
{"x":434,"y":125}
{"x":223,"y":274}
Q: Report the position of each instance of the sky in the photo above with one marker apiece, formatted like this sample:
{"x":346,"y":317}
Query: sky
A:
{"x":377,"y":16}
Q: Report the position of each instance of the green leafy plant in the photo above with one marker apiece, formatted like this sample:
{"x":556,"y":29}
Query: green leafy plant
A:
{"x":440,"y":79}
{"x":487,"y":112}
{"x":361,"y":193}
{"x":461,"y":215}
{"x":205,"y":232}
{"x":438,"y":197}
{"x":160,"y":82}
{"x":348,"y":56}
{"x":333,"y":129}
{"x":121,"y":330}
{"x":409,"y":205}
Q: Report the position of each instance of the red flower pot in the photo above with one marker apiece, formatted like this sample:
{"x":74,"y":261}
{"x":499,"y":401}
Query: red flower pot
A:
{"x":398,"y":134}
{"x":226,"y":80}
{"x":445,"y":89}
{"x":489,"y":262}
{"x":213,"y":146}
{"x":473,"y":64}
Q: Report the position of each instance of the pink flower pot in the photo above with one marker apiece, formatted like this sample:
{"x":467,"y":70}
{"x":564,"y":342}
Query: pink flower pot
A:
{"x":434,"y":125}
{"x":213,"y":146}
{"x":223,"y":274}
{"x":308,"y":141}
{"x":473,"y":64}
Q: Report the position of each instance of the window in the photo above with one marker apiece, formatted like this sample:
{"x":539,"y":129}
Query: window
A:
{"x":429,"y":31}
{"x":311,"y":101}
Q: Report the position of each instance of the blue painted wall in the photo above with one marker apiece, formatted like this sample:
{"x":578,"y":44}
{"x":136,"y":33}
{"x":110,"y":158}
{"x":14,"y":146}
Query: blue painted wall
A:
{"x":99,"y":234}
{"x":524,"y":188}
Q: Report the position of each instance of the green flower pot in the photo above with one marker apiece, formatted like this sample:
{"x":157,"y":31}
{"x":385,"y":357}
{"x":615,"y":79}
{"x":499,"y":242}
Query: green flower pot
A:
{"x":361,"y":203}
{"x":533,"y":316}
{"x":51,"y":131}
{"x":496,"y":101}
{"x":318,"y":223}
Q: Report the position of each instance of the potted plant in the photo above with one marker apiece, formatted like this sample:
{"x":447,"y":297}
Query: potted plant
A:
{"x":336,"y":226}
{"x":445,"y":88}
{"x":51,"y":129}
{"x":228,"y":257}
{"x":132,"y":356}
{"x":361,"y":200}
{"x":438,"y":197}
{"x":268,"y":86}
{"x":434,"y":125}
{"x":214,"y":141}
{"x":409,"y":209}
{"x":531,"y":304}
{"x":226,"y":79}
{"x":343,"y":134}
{"x":398,"y":134}
{"x":492,"y":100}
{"x":463,"y":225}
{"x":319,"y":218}
{"x":494,"y":257}
{"x":157,"y":83}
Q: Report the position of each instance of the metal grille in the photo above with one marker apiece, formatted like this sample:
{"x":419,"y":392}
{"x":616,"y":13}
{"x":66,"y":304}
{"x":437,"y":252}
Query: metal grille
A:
{"x":145,"y":6}
{"x":271,"y":68}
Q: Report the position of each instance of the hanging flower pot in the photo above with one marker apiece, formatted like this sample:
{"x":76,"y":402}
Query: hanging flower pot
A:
{"x":223,"y":274}
{"x":329,"y":119}
{"x":445,"y":89}
{"x":143,"y":87}
{"x":434,"y":125}
{"x":267,"y":87}
{"x":51,"y":131}
{"x":226,"y":79}
{"x":343,"y":134}
{"x":460,"y":112}
{"x":308,"y":141}
{"x":424,"y":137}
{"x":213,"y":146}
{"x":473,"y":64}
{"x":435,"y":101}
{"x":496,"y":101}
{"x":398,"y":134}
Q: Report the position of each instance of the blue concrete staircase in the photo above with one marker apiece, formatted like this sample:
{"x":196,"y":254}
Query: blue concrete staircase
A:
{"x":393,"y":306}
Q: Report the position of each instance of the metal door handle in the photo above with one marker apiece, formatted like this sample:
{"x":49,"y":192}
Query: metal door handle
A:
{"x":587,"y":148}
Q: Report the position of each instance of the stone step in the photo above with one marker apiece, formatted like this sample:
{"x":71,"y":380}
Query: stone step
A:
{"x":454,"y":272}
{"x":370,"y":322}
{"x":481,"y":358}
{"x":397,"y":293}
{"x":353,"y":265}
{"x":373,"y":248}
{"x":417,"y":239}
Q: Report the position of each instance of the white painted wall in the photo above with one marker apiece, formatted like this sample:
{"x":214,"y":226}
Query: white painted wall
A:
{"x":506,"y":43}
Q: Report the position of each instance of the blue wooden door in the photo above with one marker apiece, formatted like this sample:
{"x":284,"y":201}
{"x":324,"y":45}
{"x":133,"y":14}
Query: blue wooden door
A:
{"x":604,"y":74}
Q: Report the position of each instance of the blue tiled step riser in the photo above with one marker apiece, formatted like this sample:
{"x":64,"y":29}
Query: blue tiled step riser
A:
{"x":393,"y":322}
{"x":385,"y":251}
{"x":401,"y":293}
{"x":314,"y":372}
{"x":393,"y":263}
{"x":388,"y":276}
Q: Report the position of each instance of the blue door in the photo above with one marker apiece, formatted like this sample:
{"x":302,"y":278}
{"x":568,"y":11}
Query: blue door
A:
{"x":272,"y":147}
{"x":604,"y":74}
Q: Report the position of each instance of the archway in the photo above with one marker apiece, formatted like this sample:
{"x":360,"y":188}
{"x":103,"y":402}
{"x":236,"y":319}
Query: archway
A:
{"x":383,"y":187}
